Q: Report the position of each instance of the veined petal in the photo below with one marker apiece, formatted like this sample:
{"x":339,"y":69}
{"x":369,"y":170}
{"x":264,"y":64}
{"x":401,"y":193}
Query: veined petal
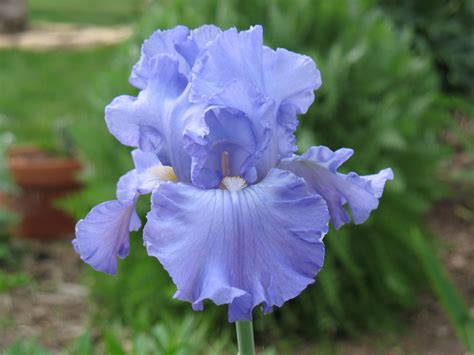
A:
{"x":318,"y":166}
{"x":103,"y":235}
{"x":258,"y":245}
{"x":144,"y":121}
{"x":237,"y":124}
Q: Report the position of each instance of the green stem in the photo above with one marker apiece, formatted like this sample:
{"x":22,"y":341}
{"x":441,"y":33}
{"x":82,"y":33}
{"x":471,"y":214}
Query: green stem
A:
{"x":245,"y":340}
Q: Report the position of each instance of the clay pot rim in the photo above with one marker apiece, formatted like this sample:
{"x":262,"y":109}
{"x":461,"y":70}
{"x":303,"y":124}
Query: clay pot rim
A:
{"x":22,"y":157}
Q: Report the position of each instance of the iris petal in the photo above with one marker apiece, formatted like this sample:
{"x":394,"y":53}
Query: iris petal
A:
{"x":159,"y":43}
{"x":238,"y":124}
{"x":318,"y":166}
{"x":290,"y":80}
{"x":286,"y":78}
{"x":197,"y":42}
{"x":259,"y":245}
{"x":144,"y":160}
{"x":178,"y":43}
{"x":103,"y":235}
{"x":231,"y":56}
{"x":144,"y":121}
{"x":127,"y":186}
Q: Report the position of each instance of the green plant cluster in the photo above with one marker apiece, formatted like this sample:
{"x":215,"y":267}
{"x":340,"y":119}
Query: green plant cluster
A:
{"x":10,"y":255}
{"x":182,"y":337}
{"x":378,"y":97}
{"x":445,"y":29}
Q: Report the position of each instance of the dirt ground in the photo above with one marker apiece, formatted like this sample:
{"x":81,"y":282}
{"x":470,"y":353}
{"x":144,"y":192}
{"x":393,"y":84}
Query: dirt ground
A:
{"x":52,"y":309}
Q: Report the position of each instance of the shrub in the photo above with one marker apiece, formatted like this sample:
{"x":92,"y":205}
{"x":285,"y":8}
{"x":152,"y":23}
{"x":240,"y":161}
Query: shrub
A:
{"x":445,"y":29}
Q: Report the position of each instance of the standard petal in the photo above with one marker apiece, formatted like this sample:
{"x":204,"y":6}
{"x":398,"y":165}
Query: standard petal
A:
{"x":159,"y":43}
{"x":231,"y":56}
{"x":259,"y":245}
{"x":143,"y":121}
{"x":290,"y":78}
{"x":318,"y":166}
{"x":197,"y":42}
{"x":286,"y":78}
{"x":103,"y":235}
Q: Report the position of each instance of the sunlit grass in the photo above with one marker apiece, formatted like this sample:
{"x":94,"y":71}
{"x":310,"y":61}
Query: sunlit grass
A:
{"x":46,"y":89}
{"x":105,"y":12}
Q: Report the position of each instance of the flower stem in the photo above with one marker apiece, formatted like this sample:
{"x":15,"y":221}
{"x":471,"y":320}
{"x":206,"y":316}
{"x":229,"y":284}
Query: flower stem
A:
{"x":245,"y":340}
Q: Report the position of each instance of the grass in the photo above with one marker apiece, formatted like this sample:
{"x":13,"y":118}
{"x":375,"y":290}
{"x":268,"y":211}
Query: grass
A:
{"x":104,"y":12}
{"x":47,"y":89}
{"x":9,"y":280}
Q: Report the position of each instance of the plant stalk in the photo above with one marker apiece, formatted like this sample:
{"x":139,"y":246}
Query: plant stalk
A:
{"x":245,"y":340}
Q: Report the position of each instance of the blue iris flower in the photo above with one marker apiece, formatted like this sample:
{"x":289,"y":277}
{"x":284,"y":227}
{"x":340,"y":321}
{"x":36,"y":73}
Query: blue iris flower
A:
{"x":236,"y":217}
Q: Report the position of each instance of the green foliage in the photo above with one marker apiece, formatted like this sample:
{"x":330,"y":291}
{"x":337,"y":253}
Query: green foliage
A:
{"x":378,"y":97}
{"x":83,"y":345}
{"x":462,"y":130}
{"x":174,"y":337}
{"x":181,"y":337}
{"x":445,"y":29}
{"x":103,"y":12}
{"x":460,"y":315}
{"x":11,"y":280}
{"x":47,"y":89}
{"x":9,"y":254}
{"x":22,"y":347}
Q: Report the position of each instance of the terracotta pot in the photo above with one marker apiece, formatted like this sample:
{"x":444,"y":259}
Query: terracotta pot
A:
{"x":42,"y":177}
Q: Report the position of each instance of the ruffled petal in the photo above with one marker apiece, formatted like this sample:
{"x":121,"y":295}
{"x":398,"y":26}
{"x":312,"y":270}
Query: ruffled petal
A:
{"x":286,"y":78}
{"x":231,"y":56}
{"x":197,"y":42}
{"x":318,"y":166}
{"x":237,"y":124}
{"x":259,"y":245}
{"x":179,"y":43}
{"x":144,"y":121}
{"x":103,"y":235}
{"x":159,"y":43}
{"x":290,"y":78}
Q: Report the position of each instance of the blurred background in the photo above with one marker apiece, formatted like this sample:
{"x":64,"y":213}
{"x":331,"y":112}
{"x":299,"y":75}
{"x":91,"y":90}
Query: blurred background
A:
{"x":398,"y":87}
